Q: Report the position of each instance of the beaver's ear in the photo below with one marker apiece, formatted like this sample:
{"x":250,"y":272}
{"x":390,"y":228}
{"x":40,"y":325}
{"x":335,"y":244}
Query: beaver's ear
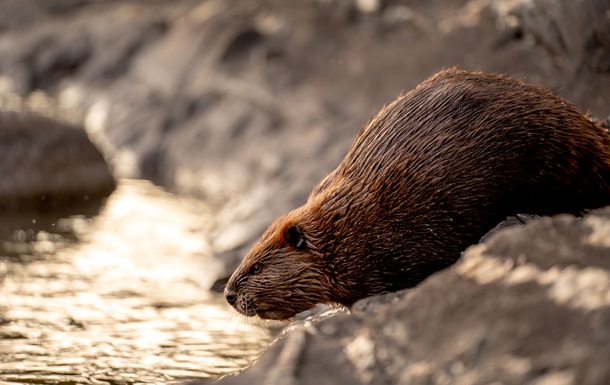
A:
{"x":294,"y":237}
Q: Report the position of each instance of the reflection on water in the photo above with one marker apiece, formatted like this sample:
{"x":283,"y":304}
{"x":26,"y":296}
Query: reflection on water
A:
{"x":118,"y":299}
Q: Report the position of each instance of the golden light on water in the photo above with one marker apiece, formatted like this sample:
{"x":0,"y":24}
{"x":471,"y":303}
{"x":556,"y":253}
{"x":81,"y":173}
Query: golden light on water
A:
{"x":127,"y":303}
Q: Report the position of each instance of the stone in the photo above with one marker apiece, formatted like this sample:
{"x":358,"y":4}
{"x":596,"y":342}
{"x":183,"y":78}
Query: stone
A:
{"x":46,"y":164}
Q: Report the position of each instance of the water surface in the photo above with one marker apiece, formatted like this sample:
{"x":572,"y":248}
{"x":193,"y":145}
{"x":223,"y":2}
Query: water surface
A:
{"x":117,"y":298}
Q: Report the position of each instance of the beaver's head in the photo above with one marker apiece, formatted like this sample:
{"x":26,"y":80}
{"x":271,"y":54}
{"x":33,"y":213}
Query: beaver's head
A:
{"x":283,"y":274}
{"x":332,"y":250}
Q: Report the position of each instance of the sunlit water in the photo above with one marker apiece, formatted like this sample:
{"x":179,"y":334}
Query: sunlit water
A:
{"x":117,"y":298}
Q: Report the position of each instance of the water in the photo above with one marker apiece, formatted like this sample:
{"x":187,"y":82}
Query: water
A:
{"x":117,"y":298}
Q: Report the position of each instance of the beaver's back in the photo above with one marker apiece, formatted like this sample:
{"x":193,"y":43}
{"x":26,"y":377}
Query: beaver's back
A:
{"x":444,"y":163}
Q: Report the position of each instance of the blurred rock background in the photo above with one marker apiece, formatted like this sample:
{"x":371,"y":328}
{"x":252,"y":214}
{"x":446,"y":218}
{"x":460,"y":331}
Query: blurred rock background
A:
{"x":247,"y":104}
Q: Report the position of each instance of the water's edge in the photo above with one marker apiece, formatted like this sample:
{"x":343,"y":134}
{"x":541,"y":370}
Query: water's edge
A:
{"x":117,"y":298}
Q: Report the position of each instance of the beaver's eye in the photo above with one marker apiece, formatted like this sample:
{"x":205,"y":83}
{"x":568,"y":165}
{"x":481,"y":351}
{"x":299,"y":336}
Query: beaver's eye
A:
{"x":255,"y":269}
{"x":295,"y":237}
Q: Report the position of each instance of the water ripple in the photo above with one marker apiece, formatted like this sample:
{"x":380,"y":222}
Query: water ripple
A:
{"x":119,"y":299}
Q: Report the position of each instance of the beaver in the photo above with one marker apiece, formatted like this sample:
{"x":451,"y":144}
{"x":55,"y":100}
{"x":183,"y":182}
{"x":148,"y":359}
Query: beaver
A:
{"x":426,"y":177}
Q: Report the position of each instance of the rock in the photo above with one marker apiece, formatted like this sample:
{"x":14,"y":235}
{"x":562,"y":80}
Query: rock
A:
{"x":530,"y":305}
{"x":512,"y":221}
{"x":47,"y":164}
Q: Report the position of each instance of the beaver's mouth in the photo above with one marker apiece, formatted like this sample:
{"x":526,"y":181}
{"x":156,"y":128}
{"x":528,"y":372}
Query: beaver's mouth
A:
{"x":274,"y":313}
{"x":248,"y":311}
{"x":268,"y":313}
{"x":247,"y":306}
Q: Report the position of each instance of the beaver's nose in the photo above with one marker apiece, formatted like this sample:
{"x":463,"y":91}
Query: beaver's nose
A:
{"x":231,"y":296}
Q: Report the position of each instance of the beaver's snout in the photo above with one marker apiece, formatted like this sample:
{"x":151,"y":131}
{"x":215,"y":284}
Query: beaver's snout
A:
{"x":230,"y":296}
{"x":242,"y":302}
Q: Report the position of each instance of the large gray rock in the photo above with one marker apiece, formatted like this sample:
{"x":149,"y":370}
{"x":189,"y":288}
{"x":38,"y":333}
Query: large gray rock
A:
{"x":529,"y":306}
{"x":46,"y":164}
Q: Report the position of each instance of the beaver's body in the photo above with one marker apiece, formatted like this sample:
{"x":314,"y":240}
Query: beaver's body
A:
{"x":425,"y":178}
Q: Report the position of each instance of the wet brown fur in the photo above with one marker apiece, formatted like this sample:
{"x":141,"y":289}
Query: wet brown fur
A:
{"x":426,"y":177}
